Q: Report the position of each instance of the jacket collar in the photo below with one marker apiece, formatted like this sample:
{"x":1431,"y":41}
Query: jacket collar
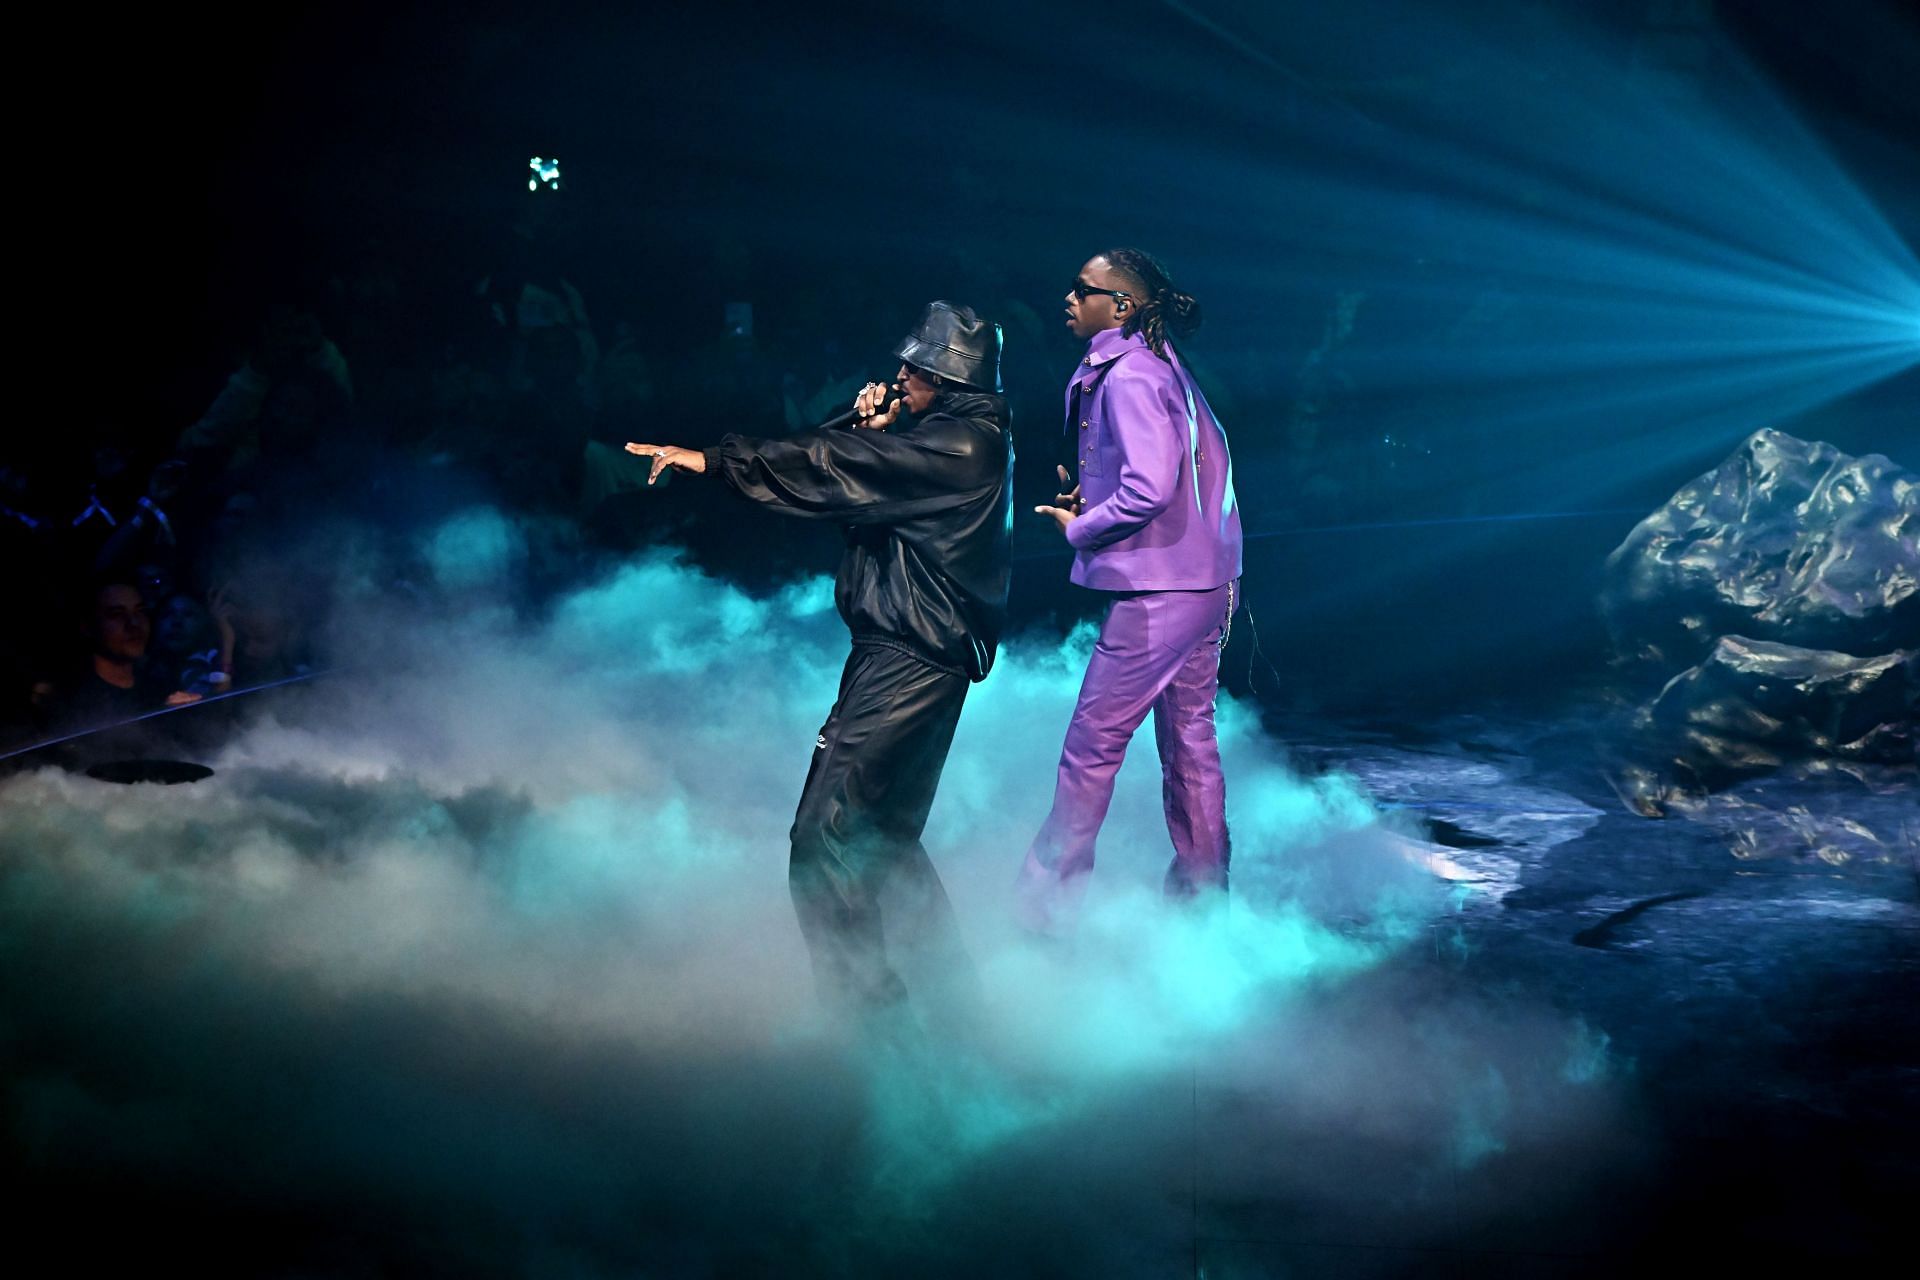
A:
{"x":1107,"y":346}
{"x":986,"y":406}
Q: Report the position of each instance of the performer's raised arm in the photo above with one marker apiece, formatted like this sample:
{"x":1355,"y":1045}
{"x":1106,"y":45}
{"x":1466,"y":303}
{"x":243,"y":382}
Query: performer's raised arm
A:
{"x":867,"y":475}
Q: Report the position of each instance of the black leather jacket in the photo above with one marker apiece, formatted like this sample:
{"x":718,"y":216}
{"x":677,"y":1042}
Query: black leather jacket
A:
{"x":927,"y":506}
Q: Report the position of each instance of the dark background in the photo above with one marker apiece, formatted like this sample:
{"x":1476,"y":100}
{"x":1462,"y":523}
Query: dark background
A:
{"x":837,"y":166}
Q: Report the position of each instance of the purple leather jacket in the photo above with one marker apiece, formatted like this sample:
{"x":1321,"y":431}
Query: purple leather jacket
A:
{"x":1154,"y":472}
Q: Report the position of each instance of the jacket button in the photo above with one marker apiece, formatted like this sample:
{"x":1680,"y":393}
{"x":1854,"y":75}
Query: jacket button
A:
{"x":1086,"y":360}
{"x":1083,"y":424}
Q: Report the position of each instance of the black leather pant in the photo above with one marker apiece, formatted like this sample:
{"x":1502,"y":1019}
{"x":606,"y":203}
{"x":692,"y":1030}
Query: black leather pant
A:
{"x":856,"y":837}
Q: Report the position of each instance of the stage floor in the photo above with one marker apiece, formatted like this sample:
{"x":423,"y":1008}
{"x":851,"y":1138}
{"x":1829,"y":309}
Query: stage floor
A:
{"x":1621,"y":1040}
{"x":1754,"y":963}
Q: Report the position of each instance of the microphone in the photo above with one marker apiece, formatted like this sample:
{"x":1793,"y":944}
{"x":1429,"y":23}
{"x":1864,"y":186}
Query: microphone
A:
{"x":848,"y":418}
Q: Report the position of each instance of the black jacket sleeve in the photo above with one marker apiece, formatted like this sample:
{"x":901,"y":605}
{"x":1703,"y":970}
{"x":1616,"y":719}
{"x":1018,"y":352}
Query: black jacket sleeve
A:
{"x":862,"y":476}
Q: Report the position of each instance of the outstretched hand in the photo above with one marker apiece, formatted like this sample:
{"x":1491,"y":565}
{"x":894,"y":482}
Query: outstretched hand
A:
{"x":692,"y":461}
{"x":1066,"y":506}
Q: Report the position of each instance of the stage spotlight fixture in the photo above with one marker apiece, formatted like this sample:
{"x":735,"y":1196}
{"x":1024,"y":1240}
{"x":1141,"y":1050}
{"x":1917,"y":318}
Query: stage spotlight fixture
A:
{"x":543,"y":175}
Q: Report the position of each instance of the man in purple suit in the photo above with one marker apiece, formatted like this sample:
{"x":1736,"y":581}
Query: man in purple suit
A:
{"x":1154,"y":523}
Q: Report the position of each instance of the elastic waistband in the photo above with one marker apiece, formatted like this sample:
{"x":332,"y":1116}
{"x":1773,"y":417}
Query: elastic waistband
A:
{"x":876,"y":640}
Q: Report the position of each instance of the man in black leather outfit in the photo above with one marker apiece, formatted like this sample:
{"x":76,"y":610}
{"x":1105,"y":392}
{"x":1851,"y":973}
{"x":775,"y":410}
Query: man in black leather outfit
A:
{"x":922,"y":484}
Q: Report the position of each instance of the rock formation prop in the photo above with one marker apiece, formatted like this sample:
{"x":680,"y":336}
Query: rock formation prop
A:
{"x":1789,"y":578}
{"x":1788,"y":541}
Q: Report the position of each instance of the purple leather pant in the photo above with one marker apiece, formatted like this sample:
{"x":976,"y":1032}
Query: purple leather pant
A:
{"x":1158,"y":651}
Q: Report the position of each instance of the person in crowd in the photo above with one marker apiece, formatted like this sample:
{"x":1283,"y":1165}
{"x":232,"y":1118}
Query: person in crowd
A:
{"x":813,"y":394}
{"x":146,"y":536}
{"x":610,"y":478}
{"x":114,"y":681}
{"x":1153,"y":523}
{"x":284,"y":422}
{"x":260,"y":639}
{"x":729,"y":379}
{"x":197,"y":658}
{"x":225,"y":538}
{"x":293,"y":376}
{"x":923,"y":489}
{"x":537,"y":462}
{"x":95,"y":485}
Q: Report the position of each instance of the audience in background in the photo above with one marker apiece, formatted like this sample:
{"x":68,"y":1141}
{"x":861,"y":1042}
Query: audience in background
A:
{"x":108,"y":678}
{"x":497,"y":393}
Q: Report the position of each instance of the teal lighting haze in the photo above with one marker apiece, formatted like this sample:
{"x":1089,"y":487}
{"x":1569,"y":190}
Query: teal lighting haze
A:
{"x":1527,"y":260}
{"x":508,"y":939}
{"x":1530,"y":259}
{"x":1637,"y":262}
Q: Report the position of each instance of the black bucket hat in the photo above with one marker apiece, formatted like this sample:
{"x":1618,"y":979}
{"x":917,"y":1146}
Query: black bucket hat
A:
{"x":955,"y":343}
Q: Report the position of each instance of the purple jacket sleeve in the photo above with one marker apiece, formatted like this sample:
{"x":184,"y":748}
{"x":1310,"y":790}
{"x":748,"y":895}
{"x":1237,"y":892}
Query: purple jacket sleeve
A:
{"x":1150,"y":443}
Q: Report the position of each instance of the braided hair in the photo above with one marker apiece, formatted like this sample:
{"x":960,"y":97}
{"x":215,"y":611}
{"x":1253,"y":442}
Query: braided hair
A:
{"x":1158,"y":308}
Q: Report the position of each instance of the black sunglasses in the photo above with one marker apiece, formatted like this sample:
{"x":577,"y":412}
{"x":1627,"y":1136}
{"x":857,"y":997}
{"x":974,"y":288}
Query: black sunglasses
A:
{"x":1081,"y":289}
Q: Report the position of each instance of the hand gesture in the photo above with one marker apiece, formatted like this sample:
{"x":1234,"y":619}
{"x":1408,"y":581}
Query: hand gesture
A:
{"x":1066,"y":506}
{"x":866,"y":406}
{"x":221,"y":608}
{"x":691,"y":461}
